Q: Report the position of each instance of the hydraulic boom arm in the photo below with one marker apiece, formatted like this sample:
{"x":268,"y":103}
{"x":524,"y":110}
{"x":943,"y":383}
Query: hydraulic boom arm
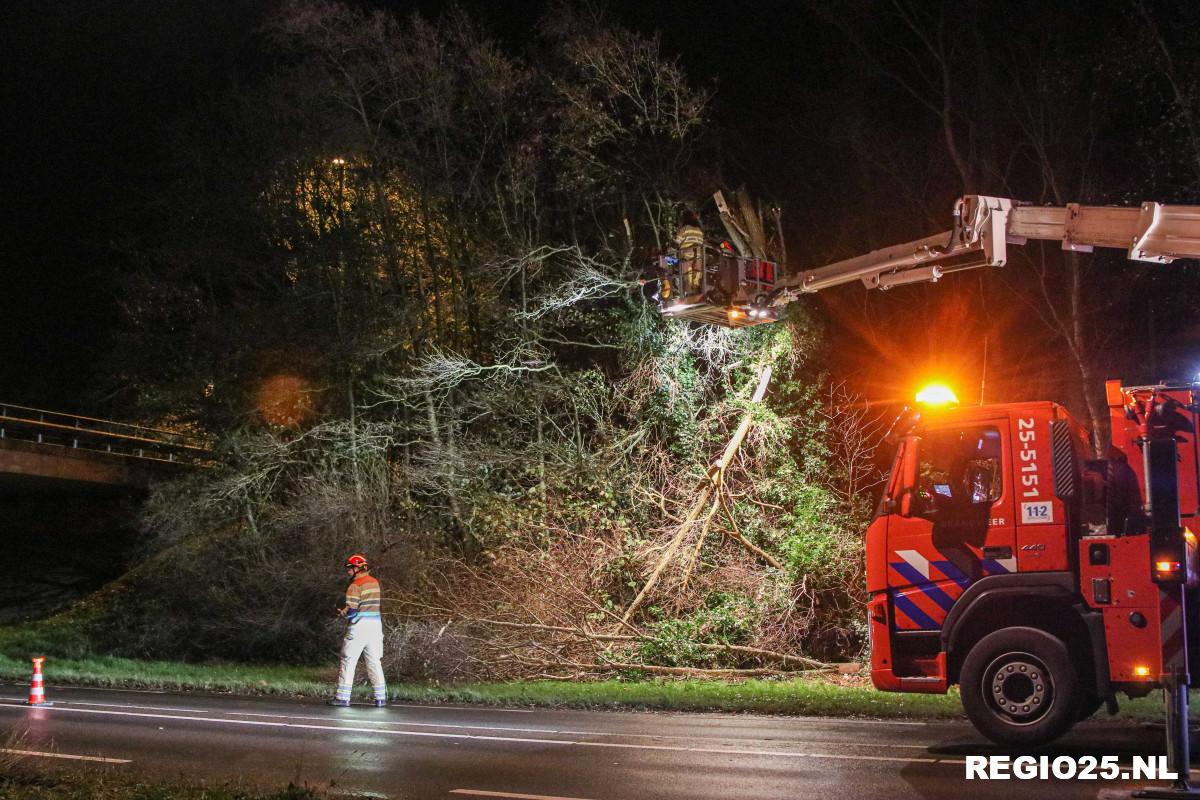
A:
{"x":983,"y":228}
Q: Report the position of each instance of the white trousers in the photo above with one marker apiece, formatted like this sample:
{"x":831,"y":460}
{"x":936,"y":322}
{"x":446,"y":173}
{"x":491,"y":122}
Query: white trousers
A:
{"x":363,"y":637}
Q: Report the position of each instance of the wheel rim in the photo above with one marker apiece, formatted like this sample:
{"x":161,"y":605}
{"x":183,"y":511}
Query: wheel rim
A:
{"x":1018,"y":688}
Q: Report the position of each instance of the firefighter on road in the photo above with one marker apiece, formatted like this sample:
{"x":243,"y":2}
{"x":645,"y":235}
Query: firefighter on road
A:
{"x":364,"y":635}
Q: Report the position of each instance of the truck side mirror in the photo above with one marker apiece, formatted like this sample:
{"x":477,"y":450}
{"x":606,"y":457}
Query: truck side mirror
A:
{"x":907,"y":488}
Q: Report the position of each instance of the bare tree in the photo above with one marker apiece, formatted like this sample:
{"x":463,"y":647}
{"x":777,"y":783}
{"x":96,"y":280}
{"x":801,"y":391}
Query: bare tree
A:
{"x":855,"y":431}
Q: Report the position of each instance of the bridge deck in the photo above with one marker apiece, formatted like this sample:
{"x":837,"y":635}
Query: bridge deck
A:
{"x":49,"y":447}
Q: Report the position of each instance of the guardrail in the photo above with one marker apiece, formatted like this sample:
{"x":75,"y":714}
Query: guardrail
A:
{"x":53,"y":428}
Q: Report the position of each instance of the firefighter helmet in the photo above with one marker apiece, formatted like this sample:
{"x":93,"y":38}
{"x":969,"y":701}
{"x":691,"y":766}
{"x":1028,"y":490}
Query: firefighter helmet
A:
{"x":356,"y":561}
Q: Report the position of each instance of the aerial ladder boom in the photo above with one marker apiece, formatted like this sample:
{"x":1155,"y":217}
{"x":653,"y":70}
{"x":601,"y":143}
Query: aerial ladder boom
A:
{"x":983,"y":228}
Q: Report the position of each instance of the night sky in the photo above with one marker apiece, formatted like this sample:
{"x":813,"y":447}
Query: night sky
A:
{"x":92,"y":90}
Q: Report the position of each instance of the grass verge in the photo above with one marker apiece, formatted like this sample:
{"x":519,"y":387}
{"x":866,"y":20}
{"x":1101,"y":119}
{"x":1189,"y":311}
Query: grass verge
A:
{"x":21,"y":782}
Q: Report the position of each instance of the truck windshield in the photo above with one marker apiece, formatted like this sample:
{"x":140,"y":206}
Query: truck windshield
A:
{"x":959,"y":469}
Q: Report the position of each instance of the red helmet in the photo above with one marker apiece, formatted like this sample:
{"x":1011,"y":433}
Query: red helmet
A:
{"x":357,"y":561}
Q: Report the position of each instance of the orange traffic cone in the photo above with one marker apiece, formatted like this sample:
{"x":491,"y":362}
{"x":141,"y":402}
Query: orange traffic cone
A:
{"x":37,"y":689}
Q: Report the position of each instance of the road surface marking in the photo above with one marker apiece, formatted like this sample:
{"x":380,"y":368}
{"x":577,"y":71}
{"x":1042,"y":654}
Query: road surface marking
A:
{"x":180,"y":710}
{"x":459,"y":726}
{"x":478,"y":737}
{"x":515,"y":796}
{"x":471,"y":708}
{"x":69,"y":756}
{"x":561,"y":732}
{"x":772,"y":753}
{"x":399,"y":703}
{"x":723,"y":738}
{"x":565,"y":732}
{"x":867,"y":721}
{"x":143,"y":708}
{"x":95,"y":689}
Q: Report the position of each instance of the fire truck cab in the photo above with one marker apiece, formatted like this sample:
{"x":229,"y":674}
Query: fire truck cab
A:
{"x":1005,"y":559}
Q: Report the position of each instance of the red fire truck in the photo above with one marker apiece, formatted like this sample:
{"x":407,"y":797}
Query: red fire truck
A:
{"x":1004,"y":558}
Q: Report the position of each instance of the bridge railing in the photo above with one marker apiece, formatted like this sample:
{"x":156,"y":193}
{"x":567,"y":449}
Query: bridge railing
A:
{"x":39,"y":426}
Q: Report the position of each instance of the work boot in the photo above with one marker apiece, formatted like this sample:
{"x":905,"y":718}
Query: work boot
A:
{"x":338,"y":703}
{"x":381,"y":703}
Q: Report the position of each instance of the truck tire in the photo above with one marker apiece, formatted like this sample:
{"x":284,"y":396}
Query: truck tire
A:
{"x":1019,"y":687}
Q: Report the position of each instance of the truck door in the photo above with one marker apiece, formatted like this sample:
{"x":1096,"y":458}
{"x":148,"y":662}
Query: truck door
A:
{"x":957,"y":528}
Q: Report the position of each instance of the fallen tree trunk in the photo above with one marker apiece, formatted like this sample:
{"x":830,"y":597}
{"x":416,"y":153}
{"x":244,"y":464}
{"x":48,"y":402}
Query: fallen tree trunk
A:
{"x":712,"y":484}
{"x":691,"y":672}
{"x":772,"y":655}
{"x":803,"y":662}
{"x":702,"y":672}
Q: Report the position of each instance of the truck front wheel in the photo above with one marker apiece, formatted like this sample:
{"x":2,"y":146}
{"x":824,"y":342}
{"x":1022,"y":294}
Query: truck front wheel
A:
{"x":1019,"y":687}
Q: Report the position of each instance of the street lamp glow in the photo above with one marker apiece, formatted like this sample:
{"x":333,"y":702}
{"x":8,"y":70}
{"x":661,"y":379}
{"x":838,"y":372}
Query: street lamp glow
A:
{"x":937,"y":394}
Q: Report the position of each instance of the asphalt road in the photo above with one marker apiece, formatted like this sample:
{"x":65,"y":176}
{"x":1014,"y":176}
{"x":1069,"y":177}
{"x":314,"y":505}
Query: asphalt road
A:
{"x":412,"y":751}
